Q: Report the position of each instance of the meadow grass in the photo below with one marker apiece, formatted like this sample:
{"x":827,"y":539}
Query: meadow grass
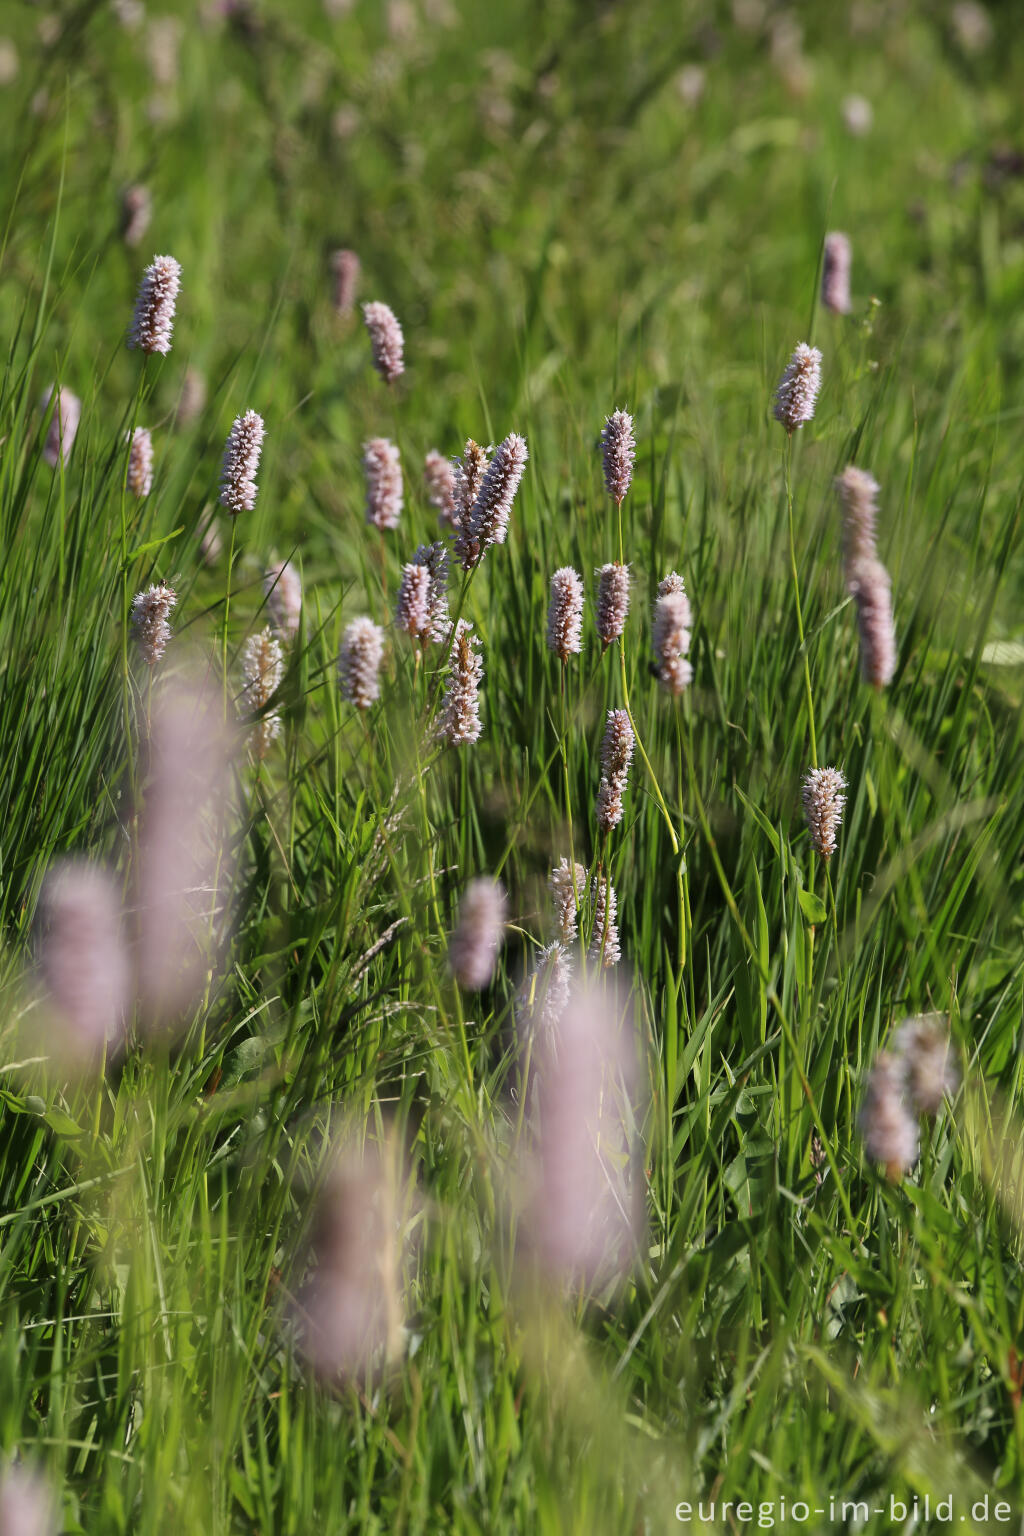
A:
{"x":561,"y":232}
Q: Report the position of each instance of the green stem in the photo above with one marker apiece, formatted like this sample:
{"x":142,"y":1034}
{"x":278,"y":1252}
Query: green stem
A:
{"x":787,"y":460}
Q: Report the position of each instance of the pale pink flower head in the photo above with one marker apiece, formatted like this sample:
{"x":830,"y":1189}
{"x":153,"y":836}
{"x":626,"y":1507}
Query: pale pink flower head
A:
{"x":583,"y":1216}
{"x":345,"y":269}
{"x":60,"y":436}
{"x":618,"y":448}
{"x":386,"y":341}
{"x":489,"y":515}
{"x":359,"y":659}
{"x":670,"y":635}
{"x":412,"y":608}
{"x":824,"y":799}
{"x":467,"y":475}
{"x":27,"y":1507}
{"x":604,"y":947}
{"x":459,"y":717}
{"x":439,"y":478}
{"x":798,"y":388}
{"x":154,"y":308}
{"x":382,"y":468}
{"x":136,"y":212}
{"x":478,"y":936}
{"x":192,"y":399}
{"x":565,"y":613}
{"x":139,"y":475}
{"x":150,"y":629}
{"x":886,"y":1122}
{"x":262,"y":669}
{"x":435,"y":557}
{"x":82,"y":960}
{"x":858,"y":499}
{"x":184,"y":873}
{"x":567,"y":883}
{"x":241,"y":463}
{"x":612,"y":601}
{"x":923,"y":1046}
{"x":871,"y":590}
{"x":616,"y":756}
{"x":282,"y":587}
{"x":543,"y":995}
{"x":835,"y":273}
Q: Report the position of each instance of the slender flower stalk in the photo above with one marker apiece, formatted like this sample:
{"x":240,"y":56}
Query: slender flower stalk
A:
{"x":604,"y":939}
{"x":140,"y":463}
{"x":359,"y":659}
{"x":567,"y":883}
{"x":616,"y":756}
{"x":459,"y":718}
{"x":835,"y":274}
{"x":486,"y":523}
{"x":83,"y":960}
{"x":241,"y":463}
{"x":150,"y":629}
{"x":798,"y":388}
{"x":473,"y":951}
{"x":670,"y":634}
{"x":383,"y":470}
{"x":858,"y":500}
{"x":282,"y":587}
{"x":412,"y":609}
{"x":60,"y":436}
{"x":886,"y":1123}
{"x":612,"y":601}
{"x":345,"y":267}
{"x":872,"y":592}
{"x":154,"y":308}
{"x":824,"y":800}
{"x":565,"y":613}
{"x":618,"y":451}
{"x":439,"y":477}
{"x":263,"y":668}
{"x":386,"y":341}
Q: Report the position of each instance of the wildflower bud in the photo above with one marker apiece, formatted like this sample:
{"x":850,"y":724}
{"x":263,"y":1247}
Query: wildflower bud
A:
{"x":872,"y":592}
{"x":282,"y":587}
{"x":439,"y":476}
{"x":835,"y":274}
{"x":459,"y":719}
{"x":60,"y":436}
{"x":823,"y":808}
{"x":616,"y":756}
{"x":612,"y":601}
{"x":435,"y":558}
{"x":241,"y":462}
{"x":798,"y":388}
{"x":383,"y":470}
{"x":567,"y":884}
{"x":858,"y":494}
{"x":473,"y":951}
{"x":565,"y":613}
{"x":140,"y":463}
{"x":604,"y":939}
{"x":618,"y":452}
{"x":154,"y":307}
{"x":670,"y":635}
{"x":386,"y":341}
{"x":83,"y":963}
{"x":150,"y":629}
{"x":412,"y":610}
{"x":886,"y":1123}
{"x":488,"y":517}
{"x":136,"y":212}
{"x":359,"y":659}
{"x":262,"y":668}
{"x":924,"y":1050}
{"x":345,"y":268}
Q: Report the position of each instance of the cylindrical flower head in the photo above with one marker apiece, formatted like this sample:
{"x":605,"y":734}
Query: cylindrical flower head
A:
{"x":150,"y":629}
{"x":931,"y":1074}
{"x":60,"y":436}
{"x":824,"y":799}
{"x":618,"y":448}
{"x":543,"y":996}
{"x":567,"y":884}
{"x":140,"y":463}
{"x":835,"y":274}
{"x":412,"y":609}
{"x":858,"y":500}
{"x":439,"y":477}
{"x":459,"y":719}
{"x":154,"y":307}
{"x":565,"y":613}
{"x":604,"y":939}
{"x":26,"y":1507}
{"x":262,"y":668}
{"x":383,"y":470}
{"x":136,"y":212}
{"x":872,"y":592}
{"x":886,"y":1123}
{"x":616,"y":756}
{"x":282,"y":587}
{"x":241,"y":462}
{"x":83,"y":961}
{"x":436,"y":559}
{"x":345,"y":269}
{"x":473,"y":951}
{"x":192,"y":400}
{"x":359,"y":659}
{"x":798,"y":388}
{"x":489,"y":515}
{"x":386,"y":340}
{"x":670,"y":635}
{"x":612,"y":601}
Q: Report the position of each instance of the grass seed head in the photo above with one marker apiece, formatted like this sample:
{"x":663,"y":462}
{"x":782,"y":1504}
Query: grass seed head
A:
{"x":154,"y":308}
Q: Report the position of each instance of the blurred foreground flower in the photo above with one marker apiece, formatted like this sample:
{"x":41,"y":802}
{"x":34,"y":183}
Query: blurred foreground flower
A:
{"x":835,"y":273}
{"x":382,"y":468}
{"x":359,"y":659}
{"x":439,"y":478}
{"x":26,"y":1505}
{"x":184,"y":871}
{"x":349,"y":1309}
{"x":872,"y":592}
{"x":82,"y":962}
{"x":886,"y":1123}
{"x":386,"y":341}
{"x":473,"y":951}
{"x":136,"y":212}
{"x":154,"y":308}
{"x":60,"y":436}
{"x":923,"y":1046}
{"x":345,"y":268}
{"x":282,"y":588}
{"x":858,"y":501}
